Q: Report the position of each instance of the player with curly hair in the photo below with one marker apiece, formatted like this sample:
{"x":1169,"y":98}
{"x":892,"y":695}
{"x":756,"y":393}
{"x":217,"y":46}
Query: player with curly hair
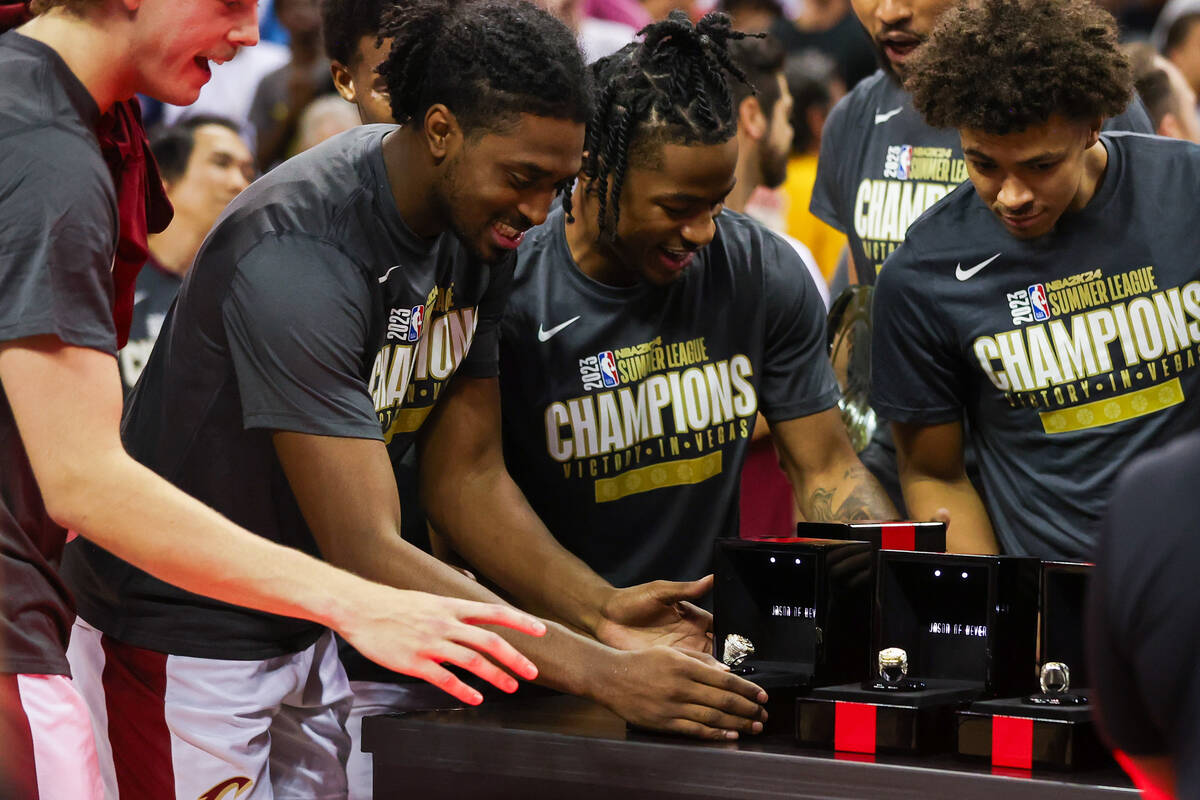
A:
{"x":881,"y":166}
{"x":1048,"y":312}
{"x":648,"y":326}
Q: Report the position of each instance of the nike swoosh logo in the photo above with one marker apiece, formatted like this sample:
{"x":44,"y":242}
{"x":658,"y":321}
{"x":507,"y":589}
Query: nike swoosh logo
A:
{"x":545,"y":335}
{"x":882,"y":118}
{"x":389,"y":272}
{"x":967,"y":274}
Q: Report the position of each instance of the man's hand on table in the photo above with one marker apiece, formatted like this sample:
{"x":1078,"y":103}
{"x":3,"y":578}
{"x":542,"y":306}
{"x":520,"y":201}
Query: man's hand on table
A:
{"x":657,"y":613}
{"x":665,"y":689}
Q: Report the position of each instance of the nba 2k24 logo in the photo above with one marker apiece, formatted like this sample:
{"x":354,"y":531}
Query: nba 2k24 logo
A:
{"x":599,"y":371}
{"x":227,"y":790}
{"x":1030,"y":305}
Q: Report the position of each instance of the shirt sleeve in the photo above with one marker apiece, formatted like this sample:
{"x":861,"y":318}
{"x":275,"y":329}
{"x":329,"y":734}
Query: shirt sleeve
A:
{"x":1120,"y":708}
{"x":483,"y":358}
{"x":56,"y":241}
{"x":826,"y":202}
{"x":915,"y":371}
{"x":297,"y":318}
{"x":797,"y":378}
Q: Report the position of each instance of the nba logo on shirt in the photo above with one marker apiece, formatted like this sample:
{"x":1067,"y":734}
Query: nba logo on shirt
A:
{"x":1037,"y":299}
{"x":415,"y":322}
{"x":904,"y":167}
{"x":608,"y":368}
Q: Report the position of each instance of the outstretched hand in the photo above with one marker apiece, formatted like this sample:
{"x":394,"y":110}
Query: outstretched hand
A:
{"x":688,"y":693}
{"x":415,"y":633}
{"x":657,"y":613}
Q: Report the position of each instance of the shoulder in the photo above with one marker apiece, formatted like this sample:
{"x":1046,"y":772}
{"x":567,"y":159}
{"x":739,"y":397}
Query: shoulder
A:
{"x":859,"y":100}
{"x":543,"y":249}
{"x":939,"y":222}
{"x":1158,"y":156}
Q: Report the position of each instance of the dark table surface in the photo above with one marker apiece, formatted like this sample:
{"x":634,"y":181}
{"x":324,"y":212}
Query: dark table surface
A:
{"x":565,"y":747}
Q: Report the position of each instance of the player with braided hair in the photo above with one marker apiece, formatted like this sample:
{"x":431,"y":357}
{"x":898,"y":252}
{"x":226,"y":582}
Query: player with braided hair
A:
{"x":643,"y":337}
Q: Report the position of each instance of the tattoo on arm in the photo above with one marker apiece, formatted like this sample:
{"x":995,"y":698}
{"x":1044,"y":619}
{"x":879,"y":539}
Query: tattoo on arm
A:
{"x":864,"y":499}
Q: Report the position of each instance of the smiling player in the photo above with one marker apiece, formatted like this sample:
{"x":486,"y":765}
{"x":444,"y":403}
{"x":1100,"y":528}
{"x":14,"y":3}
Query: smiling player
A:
{"x":1050,"y":307}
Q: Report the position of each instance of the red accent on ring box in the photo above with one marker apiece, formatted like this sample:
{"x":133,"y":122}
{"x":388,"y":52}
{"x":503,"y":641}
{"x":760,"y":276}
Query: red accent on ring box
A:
{"x":898,"y":536}
{"x":1012,"y":742}
{"x":854,"y":727}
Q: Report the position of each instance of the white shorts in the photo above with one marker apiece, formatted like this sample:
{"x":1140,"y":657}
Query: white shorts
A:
{"x":46,"y":743}
{"x":370,"y":698}
{"x":171,"y":727}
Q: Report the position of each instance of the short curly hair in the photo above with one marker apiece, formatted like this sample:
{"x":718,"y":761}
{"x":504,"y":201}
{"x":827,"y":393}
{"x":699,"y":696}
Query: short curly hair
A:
{"x":488,"y":61}
{"x":345,"y":22}
{"x":1002,"y":66}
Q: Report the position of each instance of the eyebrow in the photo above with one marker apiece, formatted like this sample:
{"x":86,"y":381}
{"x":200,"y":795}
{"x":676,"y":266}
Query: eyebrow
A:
{"x":685,"y":197}
{"x":1047,"y":156}
{"x":531,"y":170}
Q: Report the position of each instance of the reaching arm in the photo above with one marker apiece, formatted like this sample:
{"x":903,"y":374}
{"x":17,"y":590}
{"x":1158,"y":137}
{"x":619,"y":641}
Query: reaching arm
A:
{"x":932,"y":477}
{"x":67,"y":405}
{"x":347,"y":492}
{"x":473,"y":502}
{"x":829,"y":481}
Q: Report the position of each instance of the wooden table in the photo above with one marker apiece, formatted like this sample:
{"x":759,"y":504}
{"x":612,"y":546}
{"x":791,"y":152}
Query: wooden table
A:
{"x":564,"y":747}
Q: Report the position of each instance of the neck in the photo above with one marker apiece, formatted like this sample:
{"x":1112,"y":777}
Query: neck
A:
{"x":1095,"y":163}
{"x":94,"y":49}
{"x":175,"y":248}
{"x":593,"y":254}
{"x":411,"y":176}
{"x":748,"y":178}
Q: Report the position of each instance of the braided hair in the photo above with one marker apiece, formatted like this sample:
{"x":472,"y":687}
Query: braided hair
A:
{"x":488,"y":61}
{"x":670,"y":87}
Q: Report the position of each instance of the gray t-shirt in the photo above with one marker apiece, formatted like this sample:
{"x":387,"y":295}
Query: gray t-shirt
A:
{"x":58,"y":229}
{"x":1067,"y":355}
{"x":628,"y":410}
{"x":311,"y":308}
{"x":881,"y":166}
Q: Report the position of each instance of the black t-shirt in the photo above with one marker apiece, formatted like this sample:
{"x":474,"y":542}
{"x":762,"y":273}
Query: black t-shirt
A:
{"x":58,"y":226}
{"x":311,"y":308}
{"x":1144,"y":612}
{"x":155,"y":291}
{"x":1067,"y":355}
{"x":881,"y":166}
{"x":628,"y":410}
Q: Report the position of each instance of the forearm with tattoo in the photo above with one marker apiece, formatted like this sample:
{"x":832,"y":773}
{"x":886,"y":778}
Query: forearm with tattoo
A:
{"x":857,"y":496}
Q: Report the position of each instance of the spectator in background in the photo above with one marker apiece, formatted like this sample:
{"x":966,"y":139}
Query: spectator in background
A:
{"x":204,"y":163}
{"x":323,"y":118}
{"x":283,"y":94}
{"x":752,"y":16}
{"x":350,"y":29}
{"x":1170,"y":101}
{"x":764,"y":132}
{"x":1182,"y":47}
{"x":829,"y":27}
{"x":814,"y":84}
{"x":597,"y":37}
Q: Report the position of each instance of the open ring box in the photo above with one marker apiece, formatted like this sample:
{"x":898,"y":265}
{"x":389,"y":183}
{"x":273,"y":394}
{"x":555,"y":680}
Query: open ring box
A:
{"x":968,"y":626}
{"x":804,"y":604}
{"x":1014,"y":732}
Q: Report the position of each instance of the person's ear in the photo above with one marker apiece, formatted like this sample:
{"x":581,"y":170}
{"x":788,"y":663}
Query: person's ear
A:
{"x":751,"y":119}
{"x":1170,"y":127}
{"x":442,"y":132}
{"x":343,"y":81}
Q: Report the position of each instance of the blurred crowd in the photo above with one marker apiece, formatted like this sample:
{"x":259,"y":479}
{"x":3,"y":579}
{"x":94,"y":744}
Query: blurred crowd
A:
{"x":281,"y":99}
